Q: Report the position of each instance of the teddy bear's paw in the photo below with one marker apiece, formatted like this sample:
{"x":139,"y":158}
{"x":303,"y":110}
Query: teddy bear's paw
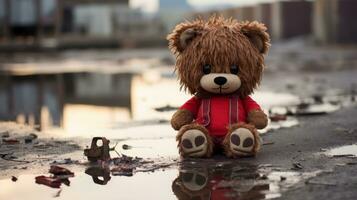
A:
{"x":242,"y":142}
{"x":194,"y":143}
{"x":194,"y":180}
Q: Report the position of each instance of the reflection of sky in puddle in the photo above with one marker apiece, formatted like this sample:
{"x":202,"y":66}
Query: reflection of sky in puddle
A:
{"x":348,"y":150}
{"x":141,"y":186}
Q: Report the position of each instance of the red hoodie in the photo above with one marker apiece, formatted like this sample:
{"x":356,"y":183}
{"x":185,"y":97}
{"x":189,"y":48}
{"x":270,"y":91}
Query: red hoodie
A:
{"x":218,"y":112}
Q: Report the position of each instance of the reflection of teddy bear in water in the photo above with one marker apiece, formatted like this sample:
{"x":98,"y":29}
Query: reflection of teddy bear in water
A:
{"x":220,"y":62}
{"x":203,"y":184}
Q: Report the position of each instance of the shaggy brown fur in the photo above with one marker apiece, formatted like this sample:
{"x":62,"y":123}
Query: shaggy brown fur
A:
{"x":226,"y":141}
{"x":258,"y":118}
{"x":181,"y":118}
{"x":220,"y":43}
{"x":197,"y":127}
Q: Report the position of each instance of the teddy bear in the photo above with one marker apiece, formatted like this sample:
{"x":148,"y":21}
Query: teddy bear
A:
{"x":220,"y":62}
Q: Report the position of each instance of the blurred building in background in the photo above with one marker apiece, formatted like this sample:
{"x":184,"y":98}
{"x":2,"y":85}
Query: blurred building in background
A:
{"x":173,"y":11}
{"x":75,"y":23}
{"x":263,"y":14}
{"x":334,"y":21}
{"x":326,"y":21}
{"x":113,"y":23}
{"x":291,"y":19}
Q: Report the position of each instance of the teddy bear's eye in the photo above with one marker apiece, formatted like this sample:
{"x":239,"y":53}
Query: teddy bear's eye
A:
{"x":206,"y":69}
{"x":234,"y":69}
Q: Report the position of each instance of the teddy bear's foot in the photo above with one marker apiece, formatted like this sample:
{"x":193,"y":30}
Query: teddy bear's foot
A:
{"x":194,"y":141}
{"x":242,"y":141}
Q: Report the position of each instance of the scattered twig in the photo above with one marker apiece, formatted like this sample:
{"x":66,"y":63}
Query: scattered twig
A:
{"x":319,"y":183}
{"x":58,"y":193}
{"x":343,"y":155}
{"x":268,"y":143}
{"x":297,"y":166}
{"x":351,"y":163}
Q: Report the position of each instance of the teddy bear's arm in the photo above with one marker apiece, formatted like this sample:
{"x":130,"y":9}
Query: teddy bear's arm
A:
{"x":181,"y":118}
{"x":258,"y":118}
{"x":255,"y":114}
{"x":186,"y":113}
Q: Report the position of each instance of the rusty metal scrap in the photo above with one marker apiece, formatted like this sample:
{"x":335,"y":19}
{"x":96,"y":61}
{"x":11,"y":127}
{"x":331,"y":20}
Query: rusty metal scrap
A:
{"x":95,"y":152}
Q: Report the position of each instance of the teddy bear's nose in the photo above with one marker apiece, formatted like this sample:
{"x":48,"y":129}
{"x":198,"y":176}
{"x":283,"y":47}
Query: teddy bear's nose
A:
{"x":220,"y":80}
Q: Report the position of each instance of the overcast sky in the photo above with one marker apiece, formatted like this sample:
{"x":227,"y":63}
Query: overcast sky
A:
{"x":152,"y":5}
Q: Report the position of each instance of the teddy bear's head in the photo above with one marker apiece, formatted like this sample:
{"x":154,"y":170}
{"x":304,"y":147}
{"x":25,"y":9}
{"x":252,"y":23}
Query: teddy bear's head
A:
{"x":219,"y":56}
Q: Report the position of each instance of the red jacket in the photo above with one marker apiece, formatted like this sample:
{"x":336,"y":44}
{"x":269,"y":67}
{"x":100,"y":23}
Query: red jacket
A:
{"x":218,"y":112}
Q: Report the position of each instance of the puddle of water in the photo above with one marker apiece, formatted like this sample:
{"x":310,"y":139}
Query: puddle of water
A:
{"x":209,"y":179}
{"x":289,"y":122}
{"x":141,"y":186}
{"x":347,"y":151}
{"x":281,"y":181}
{"x":233,"y":181}
{"x":150,"y":148}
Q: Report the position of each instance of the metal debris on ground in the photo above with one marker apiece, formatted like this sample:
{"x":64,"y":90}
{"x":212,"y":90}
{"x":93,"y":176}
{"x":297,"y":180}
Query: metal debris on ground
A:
{"x":60,"y":171}
{"x":14,"y":179}
{"x":119,"y":166}
{"x":59,"y":175}
{"x":48,"y":181}
{"x":297,"y":166}
{"x":95,"y":152}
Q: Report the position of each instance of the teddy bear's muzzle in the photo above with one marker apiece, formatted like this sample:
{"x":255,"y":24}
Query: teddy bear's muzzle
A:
{"x":220,"y":83}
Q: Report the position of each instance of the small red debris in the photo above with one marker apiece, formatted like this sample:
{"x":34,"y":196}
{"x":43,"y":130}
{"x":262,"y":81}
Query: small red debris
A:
{"x":10,"y":141}
{"x":277,"y":117}
{"x":60,"y":171}
{"x":48,"y":181}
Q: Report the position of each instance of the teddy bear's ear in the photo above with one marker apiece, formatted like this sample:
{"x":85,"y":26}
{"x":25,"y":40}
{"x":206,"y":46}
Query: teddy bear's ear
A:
{"x":183,"y":34}
{"x":257,"y":35}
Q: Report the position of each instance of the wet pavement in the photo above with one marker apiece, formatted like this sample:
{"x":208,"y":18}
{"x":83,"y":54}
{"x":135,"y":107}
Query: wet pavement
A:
{"x":309,"y":152}
{"x":296,"y":159}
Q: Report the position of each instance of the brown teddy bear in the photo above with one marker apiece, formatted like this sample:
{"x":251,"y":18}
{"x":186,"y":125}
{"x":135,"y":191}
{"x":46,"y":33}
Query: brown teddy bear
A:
{"x":219,"y":61}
